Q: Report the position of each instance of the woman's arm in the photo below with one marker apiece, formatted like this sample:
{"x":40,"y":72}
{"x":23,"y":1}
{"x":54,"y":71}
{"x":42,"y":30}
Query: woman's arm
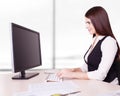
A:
{"x":74,"y":73}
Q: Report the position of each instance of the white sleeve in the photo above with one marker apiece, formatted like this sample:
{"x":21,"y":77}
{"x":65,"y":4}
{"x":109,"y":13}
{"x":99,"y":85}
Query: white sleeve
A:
{"x":84,"y":67}
{"x":109,"y":49}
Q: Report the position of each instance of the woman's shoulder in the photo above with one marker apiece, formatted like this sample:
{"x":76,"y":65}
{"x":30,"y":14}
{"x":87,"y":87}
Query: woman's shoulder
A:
{"x":109,"y":40}
{"x":109,"y":44}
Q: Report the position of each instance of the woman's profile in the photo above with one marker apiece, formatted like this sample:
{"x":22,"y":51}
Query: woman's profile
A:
{"x":101,"y":55}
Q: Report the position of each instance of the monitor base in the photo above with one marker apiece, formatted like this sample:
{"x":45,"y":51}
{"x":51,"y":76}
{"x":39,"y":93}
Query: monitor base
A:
{"x":26,"y":76}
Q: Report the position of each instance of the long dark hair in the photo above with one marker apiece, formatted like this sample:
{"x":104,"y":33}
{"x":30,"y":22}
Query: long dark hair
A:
{"x":101,"y":23}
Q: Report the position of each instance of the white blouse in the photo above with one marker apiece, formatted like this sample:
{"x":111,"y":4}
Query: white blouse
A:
{"x":109,"y":49}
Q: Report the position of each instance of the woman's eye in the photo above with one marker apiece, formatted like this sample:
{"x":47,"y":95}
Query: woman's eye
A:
{"x":88,"y":22}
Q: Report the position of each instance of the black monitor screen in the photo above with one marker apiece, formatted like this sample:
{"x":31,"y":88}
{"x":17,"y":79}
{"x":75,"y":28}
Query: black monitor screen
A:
{"x":26,"y":49}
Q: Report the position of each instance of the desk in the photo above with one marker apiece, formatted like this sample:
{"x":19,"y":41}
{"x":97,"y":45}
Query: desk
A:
{"x":87,"y":87}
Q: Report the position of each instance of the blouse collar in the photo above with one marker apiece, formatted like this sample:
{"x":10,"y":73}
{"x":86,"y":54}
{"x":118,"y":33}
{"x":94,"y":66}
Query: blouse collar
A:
{"x":99,"y":37}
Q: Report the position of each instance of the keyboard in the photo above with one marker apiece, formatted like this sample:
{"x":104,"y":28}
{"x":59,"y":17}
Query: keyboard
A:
{"x":53,"y":78}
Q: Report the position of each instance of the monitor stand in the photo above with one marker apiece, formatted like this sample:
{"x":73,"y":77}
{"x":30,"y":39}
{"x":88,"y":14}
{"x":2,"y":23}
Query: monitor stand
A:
{"x":24,"y":75}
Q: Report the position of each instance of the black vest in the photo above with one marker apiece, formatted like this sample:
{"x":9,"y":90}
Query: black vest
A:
{"x":94,"y":60}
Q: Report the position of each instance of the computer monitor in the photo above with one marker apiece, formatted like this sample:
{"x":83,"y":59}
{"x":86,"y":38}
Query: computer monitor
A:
{"x":26,"y":51}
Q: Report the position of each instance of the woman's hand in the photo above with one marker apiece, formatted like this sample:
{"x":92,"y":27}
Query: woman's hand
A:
{"x":72,"y":73}
{"x":65,"y":73}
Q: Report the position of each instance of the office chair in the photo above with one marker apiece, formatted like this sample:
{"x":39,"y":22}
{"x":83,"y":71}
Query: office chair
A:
{"x":117,"y":68}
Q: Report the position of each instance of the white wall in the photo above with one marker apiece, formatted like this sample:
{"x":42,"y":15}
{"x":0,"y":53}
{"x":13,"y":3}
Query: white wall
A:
{"x":72,"y":38}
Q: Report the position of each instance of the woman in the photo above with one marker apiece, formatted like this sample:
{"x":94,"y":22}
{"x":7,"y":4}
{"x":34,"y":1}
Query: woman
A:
{"x":100,"y":57}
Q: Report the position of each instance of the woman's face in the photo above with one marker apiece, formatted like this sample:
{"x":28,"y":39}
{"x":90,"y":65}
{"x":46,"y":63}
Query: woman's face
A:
{"x":90,"y":26}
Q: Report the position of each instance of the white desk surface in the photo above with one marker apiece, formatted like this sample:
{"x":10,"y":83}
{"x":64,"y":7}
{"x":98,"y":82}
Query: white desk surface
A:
{"x":87,"y":87}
